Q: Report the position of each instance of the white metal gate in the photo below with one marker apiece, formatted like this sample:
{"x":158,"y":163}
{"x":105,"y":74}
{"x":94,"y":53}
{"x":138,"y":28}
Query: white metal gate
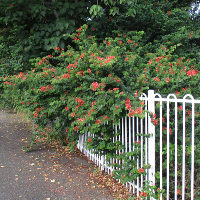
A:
{"x":170,"y":150}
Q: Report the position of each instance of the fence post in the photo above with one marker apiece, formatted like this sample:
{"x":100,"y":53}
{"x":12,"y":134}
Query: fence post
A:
{"x":151,"y":142}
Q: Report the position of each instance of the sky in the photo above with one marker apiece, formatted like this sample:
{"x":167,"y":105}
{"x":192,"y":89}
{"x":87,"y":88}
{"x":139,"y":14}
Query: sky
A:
{"x":195,"y":9}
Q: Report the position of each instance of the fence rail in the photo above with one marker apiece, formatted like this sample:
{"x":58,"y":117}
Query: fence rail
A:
{"x":170,"y":150}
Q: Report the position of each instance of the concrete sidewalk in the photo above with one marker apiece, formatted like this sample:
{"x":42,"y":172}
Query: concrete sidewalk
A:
{"x":44,"y":174}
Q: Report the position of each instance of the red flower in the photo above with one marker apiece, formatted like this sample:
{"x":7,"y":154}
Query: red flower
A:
{"x":95,"y":85}
{"x":191,"y":34}
{"x":108,"y":43}
{"x":169,"y":12}
{"x":109,"y":59}
{"x":141,"y":170}
{"x":89,"y":139}
{"x":137,"y":142}
{"x":128,"y":104}
{"x":192,"y":72}
{"x":142,"y":103}
{"x":138,"y":110}
{"x":98,"y":121}
{"x":189,"y":112}
{"x":156,"y":79}
{"x":80,"y":102}
{"x":136,"y":93}
{"x":52,"y":69}
{"x":143,"y":194}
{"x":71,"y":66}
{"x":66,"y":76}
{"x":158,"y":59}
{"x":150,"y":61}
{"x":43,"y":89}
{"x":76,"y":128}
{"x":80,"y":29}
{"x":105,"y":117}
{"x":81,"y":119}
{"x":57,"y":48}
{"x":73,"y":114}
{"x":50,"y":87}
{"x":35,"y":114}
{"x":81,"y":73}
{"x":154,"y":121}
{"x":177,"y":92}
{"x":81,"y":56}
{"x":66,"y":108}
{"x":167,"y":80}
{"x":93,"y":103}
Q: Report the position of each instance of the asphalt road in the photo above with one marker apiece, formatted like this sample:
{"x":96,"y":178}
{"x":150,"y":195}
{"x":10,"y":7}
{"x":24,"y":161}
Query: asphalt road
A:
{"x":43,"y":174}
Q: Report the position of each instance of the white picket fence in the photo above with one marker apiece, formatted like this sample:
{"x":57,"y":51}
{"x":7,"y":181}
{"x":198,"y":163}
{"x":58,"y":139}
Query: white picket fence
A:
{"x":167,"y":150}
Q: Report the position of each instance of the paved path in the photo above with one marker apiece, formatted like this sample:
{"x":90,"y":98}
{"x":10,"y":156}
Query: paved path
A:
{"x":44,"y":174}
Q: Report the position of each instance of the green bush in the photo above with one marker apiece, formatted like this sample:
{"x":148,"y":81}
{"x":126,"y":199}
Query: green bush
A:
{"x":92,"y":86}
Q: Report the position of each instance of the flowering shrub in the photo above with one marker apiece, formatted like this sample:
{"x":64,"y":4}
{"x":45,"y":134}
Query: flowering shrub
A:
{"x":92,"y":86}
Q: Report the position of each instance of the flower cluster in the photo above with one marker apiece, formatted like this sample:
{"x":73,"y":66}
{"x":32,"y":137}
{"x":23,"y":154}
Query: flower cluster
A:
{"x":44,"y":89}
{"x":132,"y":112}
{"x":95,"y":85}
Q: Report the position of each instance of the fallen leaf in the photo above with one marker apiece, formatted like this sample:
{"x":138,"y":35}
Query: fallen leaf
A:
{"x":53,"y":180}
{"x":70,"y":179}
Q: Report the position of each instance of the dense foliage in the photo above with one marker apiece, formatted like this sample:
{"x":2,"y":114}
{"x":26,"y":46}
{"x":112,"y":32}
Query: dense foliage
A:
{"x":30,"y":28}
